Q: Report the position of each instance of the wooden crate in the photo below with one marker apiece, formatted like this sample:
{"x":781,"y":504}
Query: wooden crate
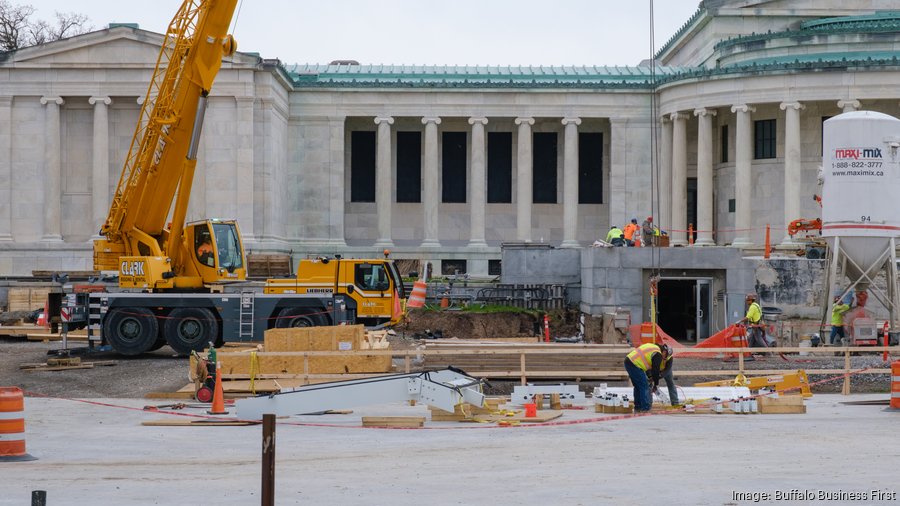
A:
{"x":782,"y":405}
{"x":337,"y":338}
{"x":27,"y":298}
{"x":261,"y":266}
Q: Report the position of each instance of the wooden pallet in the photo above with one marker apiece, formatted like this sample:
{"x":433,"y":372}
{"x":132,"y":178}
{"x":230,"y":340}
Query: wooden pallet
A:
{"x":65,"y":365}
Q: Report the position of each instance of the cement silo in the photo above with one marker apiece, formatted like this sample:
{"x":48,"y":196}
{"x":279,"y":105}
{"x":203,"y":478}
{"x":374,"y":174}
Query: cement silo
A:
{"x":860,"y":212}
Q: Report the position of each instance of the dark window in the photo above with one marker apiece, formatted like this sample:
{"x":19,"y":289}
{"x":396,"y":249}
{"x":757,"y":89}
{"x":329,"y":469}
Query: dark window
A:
{"x":453,"y":165}
{"x":822,"y":134}
{"x":371,"y":277}
{"x":409,"y":167}
{"x":731,"y":205}
{"x":362,"y":167}
{"x":724,"y":144}
{"x":451,"y":267}
{"x":499,"y":167}
{"x":494,"y":267}
{"x":764,"y":139}
{"x":544,"y":179}
{"x":590,"y":168}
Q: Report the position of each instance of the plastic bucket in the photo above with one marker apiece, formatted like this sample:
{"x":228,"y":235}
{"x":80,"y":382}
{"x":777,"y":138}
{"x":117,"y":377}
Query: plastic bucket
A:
{"x":530,"y":410}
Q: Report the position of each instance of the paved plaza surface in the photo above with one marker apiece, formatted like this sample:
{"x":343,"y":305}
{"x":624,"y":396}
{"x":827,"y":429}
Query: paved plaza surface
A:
{"x":97,"y":454}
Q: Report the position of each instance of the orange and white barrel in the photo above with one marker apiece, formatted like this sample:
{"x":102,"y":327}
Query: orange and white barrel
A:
{"x":647,"y":333}
{"x":417,"y":296}
{"x":895,"y":384}
{"x":12,"y":425}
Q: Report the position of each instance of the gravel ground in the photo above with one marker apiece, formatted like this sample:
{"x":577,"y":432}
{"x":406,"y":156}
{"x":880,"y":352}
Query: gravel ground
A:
{"x":161,"y":371}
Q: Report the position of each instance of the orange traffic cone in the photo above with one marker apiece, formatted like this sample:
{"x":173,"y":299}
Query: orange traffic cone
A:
{"x":218,"y":404}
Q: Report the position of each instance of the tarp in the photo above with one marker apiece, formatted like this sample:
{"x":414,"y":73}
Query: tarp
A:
{"x":721,"y":339}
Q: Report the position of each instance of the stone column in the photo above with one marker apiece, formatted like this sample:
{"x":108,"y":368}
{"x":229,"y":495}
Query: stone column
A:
{"x":6,"y":190}
{"x":524,"y":175}
{"x":100,"y":173}
{"x":791,"y":166}
{"x":664,"y":211}
{"x":743,"y":188}
{"x":52,"y":180}
{"x":245,"y":173}
{"x":383,"y":180}
{"x":430,"y":196}
{"x":679,"y":180}
{"x":570,"y":183}
{"x":478,"y":186}
{"x":848,"y":105}
{"x":704,"y":177}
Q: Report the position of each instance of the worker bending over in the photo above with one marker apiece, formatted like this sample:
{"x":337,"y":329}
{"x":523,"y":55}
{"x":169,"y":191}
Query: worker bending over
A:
{"x":642,"y":364}
{"x":632,"y":233}
{"x":615,"y":236}
{"x":666,"y":373}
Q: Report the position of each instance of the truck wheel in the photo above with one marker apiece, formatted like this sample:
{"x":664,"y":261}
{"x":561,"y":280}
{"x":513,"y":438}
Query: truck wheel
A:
{"x":291,"y":317}
{"x":191,"y":328}
{"x":131,"y":331}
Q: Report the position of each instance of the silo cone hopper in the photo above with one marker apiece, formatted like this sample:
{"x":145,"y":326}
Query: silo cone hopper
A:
{"x":860,"y":218}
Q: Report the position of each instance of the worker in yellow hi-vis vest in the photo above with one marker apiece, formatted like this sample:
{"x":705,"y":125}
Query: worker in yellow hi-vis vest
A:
{"x":643,"y":365}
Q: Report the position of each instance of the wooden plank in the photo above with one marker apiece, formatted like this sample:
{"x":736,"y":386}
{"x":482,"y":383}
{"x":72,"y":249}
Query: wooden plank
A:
{"x":180,"y":422}
{"x":781,"y":405}
{"x":393,"y":421}
{"x":170,"y":395}
{"x":542,"y":416}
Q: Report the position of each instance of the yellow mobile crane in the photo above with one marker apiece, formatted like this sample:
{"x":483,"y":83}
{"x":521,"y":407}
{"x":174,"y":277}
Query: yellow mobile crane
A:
{"x":159,"y":169}
{"x":179,"y":284}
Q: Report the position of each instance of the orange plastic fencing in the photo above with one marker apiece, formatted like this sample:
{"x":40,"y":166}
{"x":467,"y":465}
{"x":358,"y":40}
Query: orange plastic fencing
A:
{"x":734,"y":336}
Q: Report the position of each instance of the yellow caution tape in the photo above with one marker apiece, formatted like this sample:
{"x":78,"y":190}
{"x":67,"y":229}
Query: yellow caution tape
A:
{"x":254,"y":370}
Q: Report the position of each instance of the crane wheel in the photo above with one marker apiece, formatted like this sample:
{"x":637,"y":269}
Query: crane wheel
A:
{"x":191,"y":329}
{"x":291,"y":317}
{"x":131,"y":330}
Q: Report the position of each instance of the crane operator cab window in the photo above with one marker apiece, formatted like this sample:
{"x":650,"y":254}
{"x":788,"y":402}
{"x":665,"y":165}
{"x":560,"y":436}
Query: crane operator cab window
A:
{"x":203,"y":246}
{"x":228,"y":246}
{"x":372,"y":277}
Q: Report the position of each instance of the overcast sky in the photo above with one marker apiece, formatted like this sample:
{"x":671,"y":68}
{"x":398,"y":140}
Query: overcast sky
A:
{"x":463,"y":32}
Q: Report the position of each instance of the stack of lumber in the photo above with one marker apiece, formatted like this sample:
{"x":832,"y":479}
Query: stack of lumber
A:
{"x":781,"y":405}
{"x":466,"y":412}
{"x":27,"y":298}
{"x":493,"y":357}
{"x":268,"y":265}
{"x":283,"y":353}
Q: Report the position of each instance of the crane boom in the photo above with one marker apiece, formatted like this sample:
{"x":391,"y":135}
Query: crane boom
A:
{"x":159,"y":168}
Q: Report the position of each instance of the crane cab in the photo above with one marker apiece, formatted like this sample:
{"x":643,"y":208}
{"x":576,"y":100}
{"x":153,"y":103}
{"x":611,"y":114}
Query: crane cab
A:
{"x":214,"y":251}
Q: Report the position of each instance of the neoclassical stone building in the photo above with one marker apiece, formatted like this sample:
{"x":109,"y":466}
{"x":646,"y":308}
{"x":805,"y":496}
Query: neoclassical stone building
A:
{"x":446,"y":163}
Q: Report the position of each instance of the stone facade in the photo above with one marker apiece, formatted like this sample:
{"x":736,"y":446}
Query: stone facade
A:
{"x":276,"y":146}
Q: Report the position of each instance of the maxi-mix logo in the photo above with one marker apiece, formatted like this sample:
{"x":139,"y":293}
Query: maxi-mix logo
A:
{"x":857,"y":153}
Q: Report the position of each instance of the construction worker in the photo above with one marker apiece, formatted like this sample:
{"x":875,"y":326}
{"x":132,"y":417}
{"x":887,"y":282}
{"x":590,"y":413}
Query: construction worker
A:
{"x":642,"y":364}
{"x":666,"y":373}
{"x":205,"y":250}
{"x":753,"y":318}
{"x":615,"y":236}
{"x":647,"y":231}
{"x":837,"y":320}
{"x":631,"y":232}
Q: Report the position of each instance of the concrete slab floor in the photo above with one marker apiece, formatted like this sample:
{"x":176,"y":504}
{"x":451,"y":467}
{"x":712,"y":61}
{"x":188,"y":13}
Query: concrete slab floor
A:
{"x":98,"y":455}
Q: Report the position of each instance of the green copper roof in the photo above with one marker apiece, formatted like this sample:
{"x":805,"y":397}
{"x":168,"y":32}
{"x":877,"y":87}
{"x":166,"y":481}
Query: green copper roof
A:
{"x":436,"y":76}
{"x":881,"y":22}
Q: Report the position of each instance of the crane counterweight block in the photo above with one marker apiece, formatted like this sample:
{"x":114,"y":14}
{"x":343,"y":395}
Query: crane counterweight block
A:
{"x":443,"y":389}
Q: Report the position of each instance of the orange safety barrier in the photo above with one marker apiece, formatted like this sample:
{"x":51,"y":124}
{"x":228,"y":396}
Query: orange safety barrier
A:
{"x":12,"y":425}
{"x":731,"y":337}
{"x":417,"y":296}
{"x":647,"y":334}
{"x":895,"y":384}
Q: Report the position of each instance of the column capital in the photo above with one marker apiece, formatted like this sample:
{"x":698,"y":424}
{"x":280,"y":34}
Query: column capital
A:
{"x":566,"y":121}
{"x":482,"y":120}
{"x":675,"y":116}
{"x":384,"y":119}
{"x":520,"y":121}
{"x":854,"y":104}
{"x":743,"y":108}
{"x":792,"y":105}
{"x":55,"y":100}
{"x":702,"y":111}
{"x":97,"y":100}
{"x":140,"y":100}
{"x":665,"y":119}
{"x":431,"y":119}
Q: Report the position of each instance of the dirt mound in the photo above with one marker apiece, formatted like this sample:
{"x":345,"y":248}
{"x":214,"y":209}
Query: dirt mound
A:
{"x":466,"y":325}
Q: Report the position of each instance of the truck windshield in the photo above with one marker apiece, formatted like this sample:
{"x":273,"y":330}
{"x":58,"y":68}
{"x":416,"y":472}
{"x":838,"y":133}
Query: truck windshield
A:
{"x":395,"y":275}
{"x":228,"y":246}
